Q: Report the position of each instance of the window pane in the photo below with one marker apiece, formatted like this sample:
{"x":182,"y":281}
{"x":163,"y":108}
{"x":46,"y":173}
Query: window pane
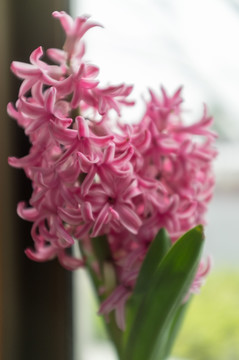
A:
{"x":194,"y":44}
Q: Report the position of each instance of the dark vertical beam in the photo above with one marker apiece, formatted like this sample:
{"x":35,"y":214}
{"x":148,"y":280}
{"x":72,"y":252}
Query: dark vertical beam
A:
{"x":8,"y":292}
{"x":35,"y":298}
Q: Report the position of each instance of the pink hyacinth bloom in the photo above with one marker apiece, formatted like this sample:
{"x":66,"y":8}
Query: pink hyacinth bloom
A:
{"x":90,"y":178}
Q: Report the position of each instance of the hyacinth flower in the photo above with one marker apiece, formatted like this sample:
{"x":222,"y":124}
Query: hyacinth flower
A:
{"x":132,"y":197}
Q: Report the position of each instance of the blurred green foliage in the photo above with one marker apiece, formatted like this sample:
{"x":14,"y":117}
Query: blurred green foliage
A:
{"x":211,"y":327}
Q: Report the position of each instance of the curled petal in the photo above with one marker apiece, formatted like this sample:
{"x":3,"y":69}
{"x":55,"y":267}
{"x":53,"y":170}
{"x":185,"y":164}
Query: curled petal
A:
{"x":36,"y":55}
{"x":149,"y":183}
{"x":188,"y":211}
{"x":100,"y":220}
{"x":203,"y":270}
{"x":63,"y":135}
{"x":102,"y":140}
{"x":168,"y":145}
{"x":87,"y":213}
{"x":23,"y":70}
{"x":66,"y":20}
{"x":205,"y":266}
{"x":85,"y":162}
{"x":64,"y":235}
{"x":88,"y":181}
{"x":91,"y":70}
{"x":109,"y":153}
{"x":144,"y":144}
{"x":70,"y":216}
{"x":12,"y":111}
{"x":28,"y":84}
{"x":57,"y":55}
{"x":43,"y":253}
{"x":132,"y":190}
{"x":111,"y":302}
{"x":202,"y":127}
{"x":83,"y":128}
{"x":33,"y":110}
{"x":116,"y":301}
{"x":69,"y":262}
{"x":37,"y":93}
{"x":83,"y":230}
{"x":82,"y":25}
{"x":64,"y":87}
{"x":28,"y":160}
{"x":124,"y":157}
{"x":129,"y":219}
{"x":50,"y":99}
{"x":114,"y":214}
{"x":30,"y":214}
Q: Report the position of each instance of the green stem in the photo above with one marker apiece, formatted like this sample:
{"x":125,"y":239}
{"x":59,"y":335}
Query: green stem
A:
{"x":114,"y":333}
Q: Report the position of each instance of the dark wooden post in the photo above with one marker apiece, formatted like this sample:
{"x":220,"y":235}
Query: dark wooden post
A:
{"x":35,"y":299}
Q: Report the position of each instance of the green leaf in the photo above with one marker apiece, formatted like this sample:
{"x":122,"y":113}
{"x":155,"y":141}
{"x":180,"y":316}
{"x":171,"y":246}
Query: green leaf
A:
{"x":170,"y":335}
{"x":158,"y":248}
{"x":167,"y":287}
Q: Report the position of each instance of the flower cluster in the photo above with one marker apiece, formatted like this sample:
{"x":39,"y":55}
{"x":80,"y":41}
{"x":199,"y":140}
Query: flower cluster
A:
{"x":90,"y":180}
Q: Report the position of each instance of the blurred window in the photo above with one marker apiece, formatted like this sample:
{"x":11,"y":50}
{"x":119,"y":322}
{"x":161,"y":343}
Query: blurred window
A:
{"x":173,"y":43}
